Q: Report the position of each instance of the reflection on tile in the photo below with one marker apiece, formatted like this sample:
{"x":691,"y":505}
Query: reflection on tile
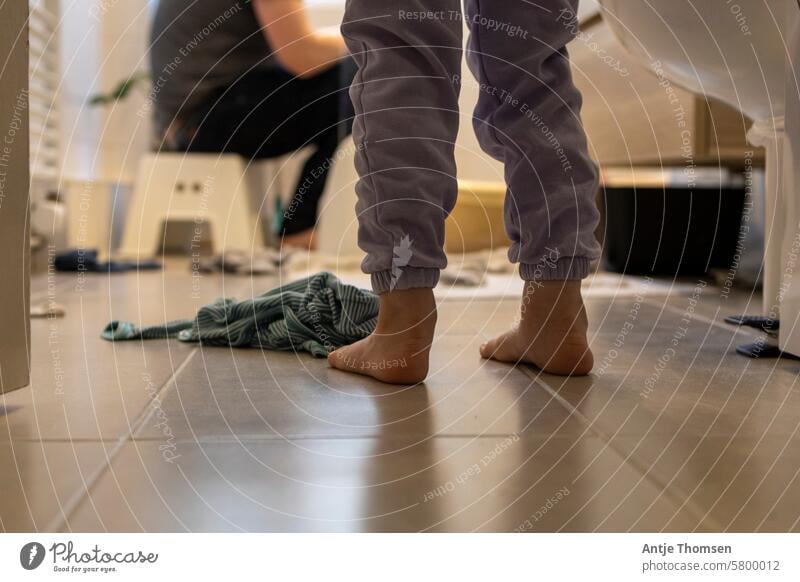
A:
{"x":444,"y":484}
{"x":673,"y":431}
{"x":39,"y":481}
{"x":674,"y":398}
{"x":83,"y":387}
{"x":248,"y":393}
{"x":718,"y":303}
{"x":670,"y":375}
{"x":744,"y":484}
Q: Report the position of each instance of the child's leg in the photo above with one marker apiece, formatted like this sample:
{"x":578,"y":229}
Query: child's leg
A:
{"x":406,"y":100}
{"x":527,"y":116}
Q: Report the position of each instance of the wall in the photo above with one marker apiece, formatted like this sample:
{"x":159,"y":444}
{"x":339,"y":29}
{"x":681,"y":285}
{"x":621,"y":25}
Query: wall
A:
{"x":102,"y":43}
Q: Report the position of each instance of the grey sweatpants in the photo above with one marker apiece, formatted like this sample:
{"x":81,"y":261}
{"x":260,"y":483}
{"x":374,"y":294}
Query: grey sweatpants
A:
{"x":406,"y":101}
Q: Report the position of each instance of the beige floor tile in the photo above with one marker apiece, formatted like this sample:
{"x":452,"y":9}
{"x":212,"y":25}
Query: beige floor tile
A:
{"x":83,"y":387}
{"x":41,"y":482}
{"x":667,"y":375}
{"x":443,"y":484}
{"x":700,"y":438}
{"x":249,"y":393}
{"x":743,"y":484}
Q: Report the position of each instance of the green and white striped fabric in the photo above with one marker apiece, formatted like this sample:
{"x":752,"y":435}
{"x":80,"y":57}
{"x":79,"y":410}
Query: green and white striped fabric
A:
{"x":317,"y":314}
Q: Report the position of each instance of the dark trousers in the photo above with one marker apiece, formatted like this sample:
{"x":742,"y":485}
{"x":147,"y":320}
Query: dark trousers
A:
{"x":270,"y":113}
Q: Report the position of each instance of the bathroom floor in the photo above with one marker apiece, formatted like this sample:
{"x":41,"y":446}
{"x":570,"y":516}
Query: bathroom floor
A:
{"x":674,"y":431}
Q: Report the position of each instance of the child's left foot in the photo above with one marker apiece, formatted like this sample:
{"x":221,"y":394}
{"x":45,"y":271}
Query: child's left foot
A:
{"x":551,"y":333}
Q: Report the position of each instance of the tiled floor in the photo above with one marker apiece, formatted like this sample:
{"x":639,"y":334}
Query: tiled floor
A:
{"x":673,"y":431}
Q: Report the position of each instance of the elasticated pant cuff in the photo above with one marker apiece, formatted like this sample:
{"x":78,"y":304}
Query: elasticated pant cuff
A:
{"x":404,"y":278}
{"x":563,"y":269}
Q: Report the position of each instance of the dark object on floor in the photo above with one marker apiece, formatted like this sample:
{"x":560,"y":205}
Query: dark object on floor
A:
{"x":317,"y":314}
{"x":760,"y":348}
{"x":679,"y":227}
{"x":765,"y":324}
{"x":264,"y":261}
{"x":85,"y":261}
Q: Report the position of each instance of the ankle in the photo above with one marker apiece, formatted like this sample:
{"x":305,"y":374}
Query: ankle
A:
{"x":407,"y":311}
{"x":555,"y":303}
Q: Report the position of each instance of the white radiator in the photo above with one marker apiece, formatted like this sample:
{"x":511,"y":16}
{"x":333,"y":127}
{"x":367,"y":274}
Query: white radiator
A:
{"x":44,"y":78}
{"x":48,"y":213}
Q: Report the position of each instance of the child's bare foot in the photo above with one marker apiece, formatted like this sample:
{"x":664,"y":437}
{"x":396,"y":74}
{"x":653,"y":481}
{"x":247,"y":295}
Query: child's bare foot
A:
{"x":397,"y":351}
{"x":551,"y":333}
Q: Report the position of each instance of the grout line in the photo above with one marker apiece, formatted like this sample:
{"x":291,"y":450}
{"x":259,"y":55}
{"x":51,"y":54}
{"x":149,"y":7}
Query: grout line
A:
{"x":295,"y":438}
{"x":76,"y":499}
{"x":715,"y":322}
{"x":155,"y":399}
{"x":672,"y":493}
{"x":677,"y":496}
{"x":233,"y":438}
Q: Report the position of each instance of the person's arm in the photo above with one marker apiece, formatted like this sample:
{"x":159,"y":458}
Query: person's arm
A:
{"x":299,"y":48}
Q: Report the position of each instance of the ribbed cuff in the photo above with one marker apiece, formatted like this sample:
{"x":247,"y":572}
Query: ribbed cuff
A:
{"x":563,"y":269}
{"x":404,"y":278}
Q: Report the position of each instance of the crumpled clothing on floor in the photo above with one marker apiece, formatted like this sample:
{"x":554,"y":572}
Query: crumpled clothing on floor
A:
{"x":317,"y":314}
{"x":470,"y":269}
{"x":87,"y":261}
{"x":261,"y":261}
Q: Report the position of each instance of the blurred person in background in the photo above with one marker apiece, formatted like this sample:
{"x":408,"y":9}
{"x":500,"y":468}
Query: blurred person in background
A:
{"x":255,"y":79}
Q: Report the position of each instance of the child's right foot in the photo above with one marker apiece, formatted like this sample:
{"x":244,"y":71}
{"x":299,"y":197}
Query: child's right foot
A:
{"x":551,"y":333}
{"x":397,"y":351}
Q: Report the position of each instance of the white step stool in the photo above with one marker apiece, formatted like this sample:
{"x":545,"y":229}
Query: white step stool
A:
{"x":210,"y":189}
